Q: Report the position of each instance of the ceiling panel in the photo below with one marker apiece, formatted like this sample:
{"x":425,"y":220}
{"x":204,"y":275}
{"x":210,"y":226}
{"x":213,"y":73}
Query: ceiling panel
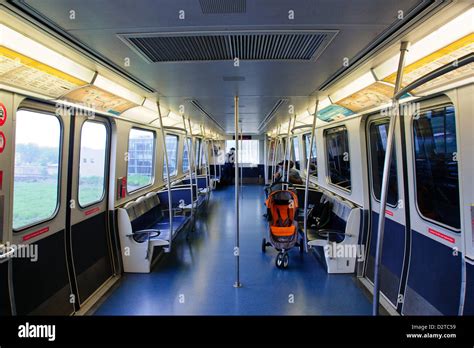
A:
{"x":99,"y":23}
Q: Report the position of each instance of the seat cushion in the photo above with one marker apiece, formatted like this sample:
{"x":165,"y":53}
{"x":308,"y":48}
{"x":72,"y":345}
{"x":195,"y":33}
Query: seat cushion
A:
{"x":164,"y":225}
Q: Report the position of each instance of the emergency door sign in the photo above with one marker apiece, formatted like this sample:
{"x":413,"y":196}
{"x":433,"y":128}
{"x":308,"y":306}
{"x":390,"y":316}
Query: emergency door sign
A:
{"x":3,"y":114}
{"x":2,"y":142}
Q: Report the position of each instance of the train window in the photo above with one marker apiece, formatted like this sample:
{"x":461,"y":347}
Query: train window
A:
{"x":37,"y":163}
{"x":378,"y":143}
{"x":436,"y":166}
{"x":296,"y":152}
{"x":203,"y":154}
{"x":186,"y":149}
{"x":313,"y":168}
{"x":141,"y":148}
{"x":92,"y":163}
{"x":248,"y":151}
{"x":197,"y":151}
{"x":339,"y":164}
{"x":172,"y":151}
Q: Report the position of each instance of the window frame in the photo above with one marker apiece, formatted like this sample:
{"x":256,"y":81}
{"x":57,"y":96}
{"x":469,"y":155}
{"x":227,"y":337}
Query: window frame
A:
{"x":203,"y":155}
{"x":187,"y":143}
{"x":106,"y":161}
{"x":197,"y":153}
{"x":306,"y":154}
{"x":412,"y":134}
{"x":380,"y":121}
{"x":296,"y":150}
{"x":60,"y":171}
{"x":249,"y":164}
{"x":175,"y":173}
{"x":153,"y":164}
{"x":332,"y":130}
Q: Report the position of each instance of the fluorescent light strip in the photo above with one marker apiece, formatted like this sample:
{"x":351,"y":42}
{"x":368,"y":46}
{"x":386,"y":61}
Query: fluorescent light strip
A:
{"x":120,"y":91}
{"x":445,"y":35}
{"x":34,"y":50}
{"x":324,"y":103}
{"x":360,"y":83}
{"x":150,"y":105}
{"x":23,"y":92}
{"x":140,"y":114}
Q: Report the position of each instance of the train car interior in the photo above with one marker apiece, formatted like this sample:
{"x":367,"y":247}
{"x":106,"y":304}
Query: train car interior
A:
{"x":236,"y":158}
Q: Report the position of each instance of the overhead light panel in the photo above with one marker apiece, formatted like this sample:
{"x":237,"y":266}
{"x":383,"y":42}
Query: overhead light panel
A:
{"x":120,"y":91}
{"x":360,"y":83}
{"x":140,"y":114}
{"x":452,"y":31}
{"x":22,"y":44}
{"x":324,"y":103}
{"x":150,"y":104}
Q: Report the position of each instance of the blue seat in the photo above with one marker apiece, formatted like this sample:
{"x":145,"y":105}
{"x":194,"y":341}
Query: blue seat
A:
{"x":164,"y":225}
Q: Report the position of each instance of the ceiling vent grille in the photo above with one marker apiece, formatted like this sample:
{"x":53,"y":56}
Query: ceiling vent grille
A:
{"x":274,"y":46}
{"x":223,"y":6}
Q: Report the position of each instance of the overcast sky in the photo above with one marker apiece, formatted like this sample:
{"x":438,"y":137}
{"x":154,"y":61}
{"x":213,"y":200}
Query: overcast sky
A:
{"x":43,"y":130}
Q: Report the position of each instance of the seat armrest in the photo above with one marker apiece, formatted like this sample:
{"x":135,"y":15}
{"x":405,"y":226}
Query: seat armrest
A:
{"x":325,"y":232}
{"x":149,"y":231}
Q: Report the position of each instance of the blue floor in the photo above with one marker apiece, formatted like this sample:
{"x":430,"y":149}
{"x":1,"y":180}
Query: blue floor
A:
{"x":197,"y":277}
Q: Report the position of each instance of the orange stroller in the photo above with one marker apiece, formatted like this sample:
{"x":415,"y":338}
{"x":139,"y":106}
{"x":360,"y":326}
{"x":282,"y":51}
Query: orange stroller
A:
{"x":282,"y":206}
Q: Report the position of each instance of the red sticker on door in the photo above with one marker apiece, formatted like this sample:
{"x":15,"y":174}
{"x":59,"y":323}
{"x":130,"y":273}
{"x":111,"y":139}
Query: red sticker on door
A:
{"x":92,"y":211}
{"x":441,"y":235}
{"x":3,"y":114}
{"x":36,"y":233}
{"x":2,"y":142}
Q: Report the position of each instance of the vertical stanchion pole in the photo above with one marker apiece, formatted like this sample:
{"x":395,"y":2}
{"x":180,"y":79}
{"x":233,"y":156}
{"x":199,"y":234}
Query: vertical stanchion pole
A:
{"x":189,"y":147}
{"x":386,"y":176}
{"x":278,"y":149}
{"x":193,"y":156}
{"x":286,"y":150}
{"x":241,"y":166}
{"x":168,"y":178}
{"x":275,"y":153}
{"x":275,"y":145}
{"x":306,"y":186}
{"x":214,"y":160}
{"x":205,"y":151}
{"x":237,"y":283}
{"x":289,"y":150}
{"x":208,"y":170}
{"x":266,"y":152}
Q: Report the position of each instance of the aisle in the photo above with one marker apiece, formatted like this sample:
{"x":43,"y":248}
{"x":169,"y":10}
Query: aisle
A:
{"x":197,"y":277}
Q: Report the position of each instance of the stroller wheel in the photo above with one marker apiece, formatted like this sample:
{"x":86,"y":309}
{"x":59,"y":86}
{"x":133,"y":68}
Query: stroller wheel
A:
{"x":286,"y":260}
{"x":279,"y":260}
{"x":264,"y":245}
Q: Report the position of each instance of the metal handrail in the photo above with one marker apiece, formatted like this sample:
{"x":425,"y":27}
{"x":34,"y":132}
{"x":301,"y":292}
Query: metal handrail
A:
{"x":306,"y":187}
{"x":186,"y":143}
{"x":237,"y":283}
{"x":165,"y":153}
{"x":300,"y":127}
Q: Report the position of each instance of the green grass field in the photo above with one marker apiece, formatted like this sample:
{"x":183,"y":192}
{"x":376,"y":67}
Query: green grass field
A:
{"x":36,"y":200}
{"x":135,"y":181}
